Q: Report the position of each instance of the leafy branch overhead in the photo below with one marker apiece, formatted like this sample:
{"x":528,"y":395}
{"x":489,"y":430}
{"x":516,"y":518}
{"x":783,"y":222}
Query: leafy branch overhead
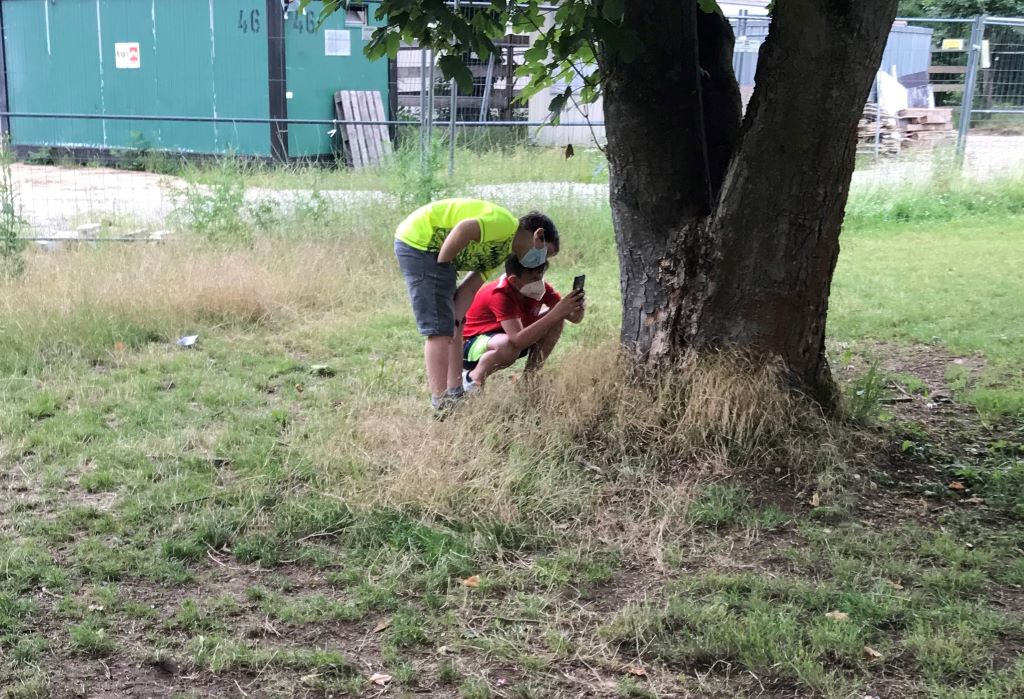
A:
{"x":572,"y":44}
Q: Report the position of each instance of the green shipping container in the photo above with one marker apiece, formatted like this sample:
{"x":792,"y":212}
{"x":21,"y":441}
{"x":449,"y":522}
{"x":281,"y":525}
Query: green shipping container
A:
{"x":181,"y":59}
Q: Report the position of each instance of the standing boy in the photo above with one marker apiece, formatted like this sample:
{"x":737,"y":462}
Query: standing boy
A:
{"x":437,"y":241}
{"x":507,"y":321}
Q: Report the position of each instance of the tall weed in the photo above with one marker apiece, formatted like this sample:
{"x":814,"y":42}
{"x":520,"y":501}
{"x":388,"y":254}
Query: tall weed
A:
{"x":415,"y":177}
{"x":11,"y":223}
{"x":214,"y":208}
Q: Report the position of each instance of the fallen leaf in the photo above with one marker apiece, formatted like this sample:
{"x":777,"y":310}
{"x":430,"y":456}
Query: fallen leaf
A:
{"x":95,"y":607}
{"x":894,"y":584}
{"x":871,"y":653}
{"x":636,"y":671}
{"x":569,"y":151}
{"x":957,"y":485}
{"x":381,"y":625}
{"x":837,"y":616}
{"x":471,"y":581}
{"x":501,"y":682}
{"x":443,"y":650}
{"x":309,"y":679}
{"x":380,"y":679}
{"x":119,"y":347}
{"x":975,"y":500}
{"x":299,"y":388}
{"x":815,"y":500}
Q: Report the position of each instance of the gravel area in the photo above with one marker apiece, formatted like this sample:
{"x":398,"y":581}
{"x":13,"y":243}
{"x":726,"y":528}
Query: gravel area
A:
{"x":55,"y":199}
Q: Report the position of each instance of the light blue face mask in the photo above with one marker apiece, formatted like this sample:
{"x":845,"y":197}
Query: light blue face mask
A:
{"x":534,"y":257}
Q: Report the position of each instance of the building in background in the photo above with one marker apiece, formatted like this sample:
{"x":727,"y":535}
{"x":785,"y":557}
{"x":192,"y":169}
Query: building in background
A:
{"x":735,"y":8}
{"x":180,"y":59}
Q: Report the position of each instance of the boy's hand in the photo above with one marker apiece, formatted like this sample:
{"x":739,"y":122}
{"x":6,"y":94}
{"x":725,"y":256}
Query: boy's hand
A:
{"x":571,"y":305}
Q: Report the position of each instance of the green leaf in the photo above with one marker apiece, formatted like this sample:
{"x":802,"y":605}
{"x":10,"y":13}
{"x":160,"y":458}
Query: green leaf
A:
{"x":532,"y":88}
{"x":613,"y":10}
{"x":557,"y":104}
{"x":527,"y":20}
{"x":453,"y":68}
{"x":537,"y":52}
{"x":394,"y":43}
{"x":375,"y":49}
{"x":709,"y":6}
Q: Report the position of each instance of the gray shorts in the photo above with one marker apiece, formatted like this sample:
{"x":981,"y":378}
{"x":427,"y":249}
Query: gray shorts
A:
{"x":431,"y":289}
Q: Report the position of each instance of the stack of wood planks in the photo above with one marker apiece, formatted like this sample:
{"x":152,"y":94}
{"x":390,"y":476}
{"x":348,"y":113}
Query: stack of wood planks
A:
{"x":878,"y":126}
{"x":909,"y":128}
{"x":927,"y":126}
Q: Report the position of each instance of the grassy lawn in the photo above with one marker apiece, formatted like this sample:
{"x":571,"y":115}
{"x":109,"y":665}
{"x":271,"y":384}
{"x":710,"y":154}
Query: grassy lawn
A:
{"x":484,"y":163}
{"x":273,"y":513}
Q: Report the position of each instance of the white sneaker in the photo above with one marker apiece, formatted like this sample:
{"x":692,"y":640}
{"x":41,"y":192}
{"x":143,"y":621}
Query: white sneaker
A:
{"x":469,"y":385}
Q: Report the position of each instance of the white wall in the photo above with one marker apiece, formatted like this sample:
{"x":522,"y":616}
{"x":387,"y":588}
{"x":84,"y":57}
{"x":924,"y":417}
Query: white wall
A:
{"x":573,"y":129}
{"x":752,"y":7}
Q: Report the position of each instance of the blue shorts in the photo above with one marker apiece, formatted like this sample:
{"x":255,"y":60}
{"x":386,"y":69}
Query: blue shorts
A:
{"x":431,"y":286}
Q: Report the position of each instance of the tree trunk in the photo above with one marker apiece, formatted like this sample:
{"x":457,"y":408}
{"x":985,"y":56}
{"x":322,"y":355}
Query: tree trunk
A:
{"x":666,"y":160}
{"x":747,"y":262}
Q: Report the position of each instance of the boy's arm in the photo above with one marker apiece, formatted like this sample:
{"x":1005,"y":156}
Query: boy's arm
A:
{"x":458,"y":238}
{"x":521,"y":337}
{"x":465,"y":294}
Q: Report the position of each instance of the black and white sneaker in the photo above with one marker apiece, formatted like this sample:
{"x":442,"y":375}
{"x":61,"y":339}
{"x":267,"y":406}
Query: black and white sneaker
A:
{"x":469,"y":386}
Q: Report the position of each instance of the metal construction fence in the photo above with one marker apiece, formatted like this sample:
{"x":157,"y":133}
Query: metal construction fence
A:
{"x":949,"y":91}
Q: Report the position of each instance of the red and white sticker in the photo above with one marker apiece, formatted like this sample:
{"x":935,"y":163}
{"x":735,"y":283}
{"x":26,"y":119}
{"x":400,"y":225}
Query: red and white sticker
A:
{"x":126,"y":55}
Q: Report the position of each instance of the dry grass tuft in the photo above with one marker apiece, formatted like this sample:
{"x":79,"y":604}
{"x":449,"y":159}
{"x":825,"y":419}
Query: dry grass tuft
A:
{"x":705,"y":406}
{"x":588,"y":443}
{"x":87,"y":299}
{"x":269,"y":280}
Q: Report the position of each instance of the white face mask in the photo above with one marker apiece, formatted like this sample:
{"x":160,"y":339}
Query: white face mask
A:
{"x":534,"y":290}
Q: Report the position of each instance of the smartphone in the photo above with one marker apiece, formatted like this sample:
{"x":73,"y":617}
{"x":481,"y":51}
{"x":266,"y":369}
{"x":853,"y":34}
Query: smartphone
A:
{"x":577,"y":283}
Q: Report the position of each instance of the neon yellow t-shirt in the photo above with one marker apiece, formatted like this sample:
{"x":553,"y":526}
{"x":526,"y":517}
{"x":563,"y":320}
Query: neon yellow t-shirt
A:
{"x":427,"y":227}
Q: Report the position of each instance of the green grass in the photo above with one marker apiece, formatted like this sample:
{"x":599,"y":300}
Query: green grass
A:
{"x":241,"y":513}
{"x":946,"y":277}
{"x":780,"y":624}
{"x":473,"y":166}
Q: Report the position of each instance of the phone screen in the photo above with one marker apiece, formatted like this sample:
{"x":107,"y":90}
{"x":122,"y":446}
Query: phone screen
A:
{"x":578,"y":282}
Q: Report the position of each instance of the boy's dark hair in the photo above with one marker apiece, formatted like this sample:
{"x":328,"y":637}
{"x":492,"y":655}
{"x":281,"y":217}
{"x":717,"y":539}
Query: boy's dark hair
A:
{"x":534,"y":220}
{"x":514,"y":268}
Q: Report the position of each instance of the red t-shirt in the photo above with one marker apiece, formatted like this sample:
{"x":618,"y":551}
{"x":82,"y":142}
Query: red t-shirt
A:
{"x":498,"y":301}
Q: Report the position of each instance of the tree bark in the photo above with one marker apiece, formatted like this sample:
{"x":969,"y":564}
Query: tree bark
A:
{"x":735,"y":247}
{"x":666,"y":159}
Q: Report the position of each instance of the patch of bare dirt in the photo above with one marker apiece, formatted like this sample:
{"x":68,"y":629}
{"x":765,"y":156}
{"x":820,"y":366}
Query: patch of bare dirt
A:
{"x":118,"y":677}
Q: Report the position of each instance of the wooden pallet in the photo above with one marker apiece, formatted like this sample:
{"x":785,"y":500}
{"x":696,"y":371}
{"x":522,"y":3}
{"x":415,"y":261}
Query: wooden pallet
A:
{"x":364,"y":145}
